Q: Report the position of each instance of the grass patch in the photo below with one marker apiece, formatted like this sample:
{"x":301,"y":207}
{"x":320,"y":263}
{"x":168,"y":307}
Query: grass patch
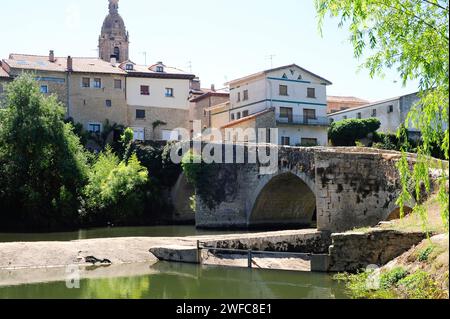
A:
{"x":420,"y":285}
{"x":393,"y":284}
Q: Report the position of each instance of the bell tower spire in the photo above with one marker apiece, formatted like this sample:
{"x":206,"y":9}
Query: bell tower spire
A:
{"x":114,"y":40}
{"x":113,"y":6}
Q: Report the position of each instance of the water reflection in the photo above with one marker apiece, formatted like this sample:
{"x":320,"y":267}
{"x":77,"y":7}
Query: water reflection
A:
{"x":154,"y":231}
{"x":183,"y":281}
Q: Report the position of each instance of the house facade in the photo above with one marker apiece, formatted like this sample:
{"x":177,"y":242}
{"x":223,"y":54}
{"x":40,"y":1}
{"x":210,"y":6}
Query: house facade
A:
{"x":297,"y":96}
{"x":392,"y":113}
{"x":201,"y":105}
{"x":4,"y":80}
{"x":158,"y":100}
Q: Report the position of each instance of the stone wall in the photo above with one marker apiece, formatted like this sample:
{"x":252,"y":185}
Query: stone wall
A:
{"x":355,"y":189}
{"x":303,"y":241}
{"x":174,"y":118}
{"x":354,"y":250}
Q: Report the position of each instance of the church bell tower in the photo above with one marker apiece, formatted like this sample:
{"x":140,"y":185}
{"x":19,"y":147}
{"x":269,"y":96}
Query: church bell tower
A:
{"x":114,"y":39}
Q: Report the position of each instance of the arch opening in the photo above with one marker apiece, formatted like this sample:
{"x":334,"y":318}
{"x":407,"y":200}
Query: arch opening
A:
{"x":286,"y":200}
{"x":182,"y":194}
{"x":395,"y":214}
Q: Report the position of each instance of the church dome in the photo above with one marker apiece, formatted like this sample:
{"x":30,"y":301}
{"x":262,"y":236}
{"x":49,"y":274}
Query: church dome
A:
{"x":114,"y":25}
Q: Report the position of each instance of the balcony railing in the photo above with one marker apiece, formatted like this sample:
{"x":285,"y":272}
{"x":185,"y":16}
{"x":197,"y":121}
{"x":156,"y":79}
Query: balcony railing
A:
{"x":303,"y":120}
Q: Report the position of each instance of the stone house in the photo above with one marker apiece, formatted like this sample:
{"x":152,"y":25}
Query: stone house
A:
{"x":201,"y":104}
{"x":4,"y":80}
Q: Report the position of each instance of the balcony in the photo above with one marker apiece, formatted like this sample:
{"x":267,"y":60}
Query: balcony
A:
{"x":303,"y":120}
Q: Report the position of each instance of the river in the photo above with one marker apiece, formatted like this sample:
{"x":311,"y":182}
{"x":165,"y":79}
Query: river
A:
{"x":160,"y":280}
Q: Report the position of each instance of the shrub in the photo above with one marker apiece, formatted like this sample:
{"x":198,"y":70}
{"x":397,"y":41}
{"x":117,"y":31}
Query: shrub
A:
{"x":424,"y":254}
{"x":420,"y":285}
{"x":347,"y":132}
{"x":43,"y":165}
{"x":115,"y":192}
{"x":392,"y":277}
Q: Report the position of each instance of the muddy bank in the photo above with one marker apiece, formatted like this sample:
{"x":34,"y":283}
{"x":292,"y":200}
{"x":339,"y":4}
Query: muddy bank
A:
{"x":132,"y":250}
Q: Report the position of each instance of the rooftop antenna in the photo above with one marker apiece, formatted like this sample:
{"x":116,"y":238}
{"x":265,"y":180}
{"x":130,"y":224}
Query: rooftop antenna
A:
{"x":270,"y":57}
{"x":145,"y":57}
{"x":190,"y":66}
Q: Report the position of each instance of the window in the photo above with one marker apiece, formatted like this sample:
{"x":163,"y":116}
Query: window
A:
{"x":1,"y":88}
{"x":170,"y":135}
{"x":311,"y":93}
{"x":374,"y":113}
{"x":169,"y":92}
{"x":359,"y":115}
{"x":118,"y":84}
{"x":284,"y":76}
{"x":94,"y":128}
{"x":86,"y":82}
{"x":232,"y":117}
{"x":309,"y":114}
{"x":345,"y":117}
{"x":285,"y":140}
{"x":97,"y":83}
{"x":108,"y":103}
{"x":44,"y":89}
{"x":390,"y":109}
{"x":286,"y":113}
{"x":159,"y":69}
{"x":239,"y":97}
{"x":300,"y":77}
{"x":117,"y":53}
{"x":140,"y":114}
{"x":129,"y":67}
{"x":245,"y":95}
{"x":283,"y":90}
{"x":238,"y":116}
{"x":145,"y":90}
{"x":309,"y":142}
{"x":245,"y":114}
{"x":138,"y":133}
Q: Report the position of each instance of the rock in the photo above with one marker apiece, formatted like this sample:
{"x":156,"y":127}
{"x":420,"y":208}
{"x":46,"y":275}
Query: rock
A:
{"x":174,"y":253}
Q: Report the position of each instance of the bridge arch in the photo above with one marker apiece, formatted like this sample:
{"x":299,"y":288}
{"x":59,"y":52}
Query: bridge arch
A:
{"x":281,"y":200}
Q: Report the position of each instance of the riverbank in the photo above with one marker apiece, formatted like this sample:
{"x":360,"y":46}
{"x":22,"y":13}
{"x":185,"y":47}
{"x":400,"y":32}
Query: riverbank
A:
{"x":29,"y":255}
{"x":422,"y":272}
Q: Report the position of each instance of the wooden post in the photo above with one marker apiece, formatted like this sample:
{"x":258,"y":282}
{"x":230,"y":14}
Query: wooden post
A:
{"x":250,"y":259}
{"x":199,"y":253}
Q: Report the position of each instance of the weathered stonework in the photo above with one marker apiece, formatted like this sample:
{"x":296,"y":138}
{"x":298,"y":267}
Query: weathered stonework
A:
{"x":174,"y":119}
{"x":350,"y":187}
{"x":354,"y":251}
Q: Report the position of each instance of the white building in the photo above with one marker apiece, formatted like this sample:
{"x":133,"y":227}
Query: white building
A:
{"x":298,"y":97}
{"x":391,"y":113}
{"x":158,"y":100}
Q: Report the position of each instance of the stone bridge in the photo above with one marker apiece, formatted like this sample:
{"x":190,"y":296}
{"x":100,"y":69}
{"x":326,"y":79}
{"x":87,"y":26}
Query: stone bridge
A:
{"x":335,"y":189}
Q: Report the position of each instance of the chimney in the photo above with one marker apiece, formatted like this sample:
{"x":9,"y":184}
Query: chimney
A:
{"x":51,"y":56}
{"x":69,"y":64}
{"x":113,"y":60}
{"x":213,"y":88}
{"x":195,"y":84}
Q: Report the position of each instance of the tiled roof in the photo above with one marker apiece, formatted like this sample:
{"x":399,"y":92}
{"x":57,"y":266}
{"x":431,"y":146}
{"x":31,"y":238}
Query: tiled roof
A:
{"x":42,"y":63}
{"x":248,"y":118}
{"x":210,"y":93}
{"x":3,"y":73}
{"x":169,"y":72}
{"x":346,"y":99}
{"x":280,"y":68}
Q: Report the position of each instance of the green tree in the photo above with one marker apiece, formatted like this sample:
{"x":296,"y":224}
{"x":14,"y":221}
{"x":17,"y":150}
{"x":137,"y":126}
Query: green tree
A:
{"x":347,"y":132}
{"x":115,"y":192}
{"x":412,"y":37}
{"x":42,"y":163}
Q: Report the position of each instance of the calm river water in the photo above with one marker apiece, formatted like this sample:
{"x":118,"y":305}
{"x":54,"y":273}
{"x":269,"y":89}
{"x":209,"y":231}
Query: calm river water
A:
{"x":161,"y":280}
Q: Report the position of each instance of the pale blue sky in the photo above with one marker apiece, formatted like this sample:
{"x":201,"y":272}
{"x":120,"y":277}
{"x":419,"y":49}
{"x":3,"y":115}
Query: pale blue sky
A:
{"x":222,"y":39}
